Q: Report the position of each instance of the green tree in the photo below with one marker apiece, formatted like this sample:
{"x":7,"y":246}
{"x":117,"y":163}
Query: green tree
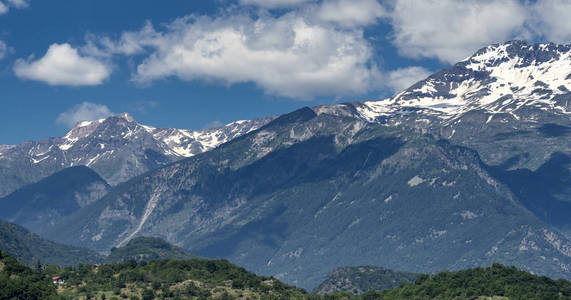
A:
{"x":148,"y":294}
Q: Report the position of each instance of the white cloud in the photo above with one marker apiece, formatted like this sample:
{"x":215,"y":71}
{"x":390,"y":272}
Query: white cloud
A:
{"x":18,"y":3}
{"x":551,"y":19}
{"x":401,"y":79}
{"x":350,"y":13}
{"x":275,"y":3}
{"x":3,"y":49}
{"x":286,"y":56}
{"x":143,"y":107}
{"x":214,"y":124}
{"x":450,"y":30}
{"x":5,"y":5}
{"x":347,"y":13}
{"x":3,"y":8}
{"x":85,"y":111}
{"x":63,"y":65}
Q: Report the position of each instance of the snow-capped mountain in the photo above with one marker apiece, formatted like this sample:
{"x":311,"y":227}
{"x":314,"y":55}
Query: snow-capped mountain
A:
{"x":187,"y":143}
{"x":118,"y":148}
{"x":468,"y":167}
{"x":179,"y":142}
{"x":501,"y":78}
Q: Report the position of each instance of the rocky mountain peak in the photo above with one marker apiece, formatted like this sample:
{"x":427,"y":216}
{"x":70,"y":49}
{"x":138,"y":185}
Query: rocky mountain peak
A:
{"x":116,"y":147}
{"x":500,"y":78}
{"x":521,"y":51}
{"x":84,"y":129}
{"x":126,"y":116}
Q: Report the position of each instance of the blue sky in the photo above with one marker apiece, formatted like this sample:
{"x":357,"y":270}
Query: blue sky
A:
{"x":191,"y":64}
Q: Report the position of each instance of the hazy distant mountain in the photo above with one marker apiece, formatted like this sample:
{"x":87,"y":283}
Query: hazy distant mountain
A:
{"x":40,"y":205}
{"x":433,"y":178}
{"x":118,"y":148}
{"x":30,"y":249}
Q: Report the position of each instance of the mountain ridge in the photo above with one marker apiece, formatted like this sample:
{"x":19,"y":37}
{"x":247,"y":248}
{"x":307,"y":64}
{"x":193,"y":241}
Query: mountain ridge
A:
{"x":118,"y":148}
{"x":399,"y":183}
{"x":40,"y":205}
{"x":31,"y":249}
{"x":494,"y":79}
{"x":258,"y":214}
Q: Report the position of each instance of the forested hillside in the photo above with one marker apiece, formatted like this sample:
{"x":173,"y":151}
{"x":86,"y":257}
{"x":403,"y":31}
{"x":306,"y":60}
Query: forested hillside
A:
{"x":31,"y":249}
{"x":357,"y":280}
{"x":219,"y":279}
{"x":147,"y":249}
{"x":20,"y":282}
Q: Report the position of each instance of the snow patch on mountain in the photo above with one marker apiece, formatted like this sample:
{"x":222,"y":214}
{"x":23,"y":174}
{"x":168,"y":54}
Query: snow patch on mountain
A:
{"x":6,"y":147}
{"x":81,"y":130}
{"x":179,"y":142}
{"x":119,"y":148}
{"x":501,"y":78}
{"x":187,"y":143}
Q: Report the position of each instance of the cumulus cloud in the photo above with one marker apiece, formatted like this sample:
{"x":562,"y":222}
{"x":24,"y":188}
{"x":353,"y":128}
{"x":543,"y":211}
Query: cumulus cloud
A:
{"x":448,"y":30}
{"x":5,"y":6}
{"x":350,"y":13}
{"x":63,"y":65}
{"x":400,"y":79}
{"x":286,"y":55}
{"x":451,"y":30}
{"x":271,"y":4}
{"x":551,"y":20}
{"x":85,"y":111}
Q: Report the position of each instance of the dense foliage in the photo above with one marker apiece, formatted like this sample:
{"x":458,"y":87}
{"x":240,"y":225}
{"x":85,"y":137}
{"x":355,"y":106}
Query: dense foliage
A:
{"x":496,"y":280}
{"x":219,"y":279}
{"x":171,"y":279}
{"x":20,"y":282}
{"x":357,"y":280}
{"x":147,"y":249}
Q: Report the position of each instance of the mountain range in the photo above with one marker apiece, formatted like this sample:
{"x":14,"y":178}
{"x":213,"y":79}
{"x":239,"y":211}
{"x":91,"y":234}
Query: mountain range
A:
{"x":117,"y":148}
{"x":468,"y":167}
